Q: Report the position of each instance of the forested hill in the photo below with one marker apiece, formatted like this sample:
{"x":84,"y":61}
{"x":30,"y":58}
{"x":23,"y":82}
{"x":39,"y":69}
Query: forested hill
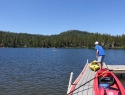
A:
{"x":67,"y":39}
{"x":75,"y":32}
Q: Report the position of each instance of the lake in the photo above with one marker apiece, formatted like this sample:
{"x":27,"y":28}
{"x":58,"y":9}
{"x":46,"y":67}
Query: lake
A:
{"x":41,"y":71}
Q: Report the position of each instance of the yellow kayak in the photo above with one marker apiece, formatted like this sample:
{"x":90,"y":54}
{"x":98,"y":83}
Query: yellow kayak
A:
{"x":94,"y":65}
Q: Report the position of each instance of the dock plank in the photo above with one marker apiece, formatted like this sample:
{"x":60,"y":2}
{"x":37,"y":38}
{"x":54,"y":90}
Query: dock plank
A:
{"x":87,"y":89}
{"x":86,"y":86}
{"x":119,"y":69}
{"x":82,"y":81}
{"x":90,"y":90}
{"x":116,"y":67}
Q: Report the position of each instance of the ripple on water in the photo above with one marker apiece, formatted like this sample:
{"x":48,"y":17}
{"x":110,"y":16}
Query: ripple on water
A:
{"x":44,"y":72}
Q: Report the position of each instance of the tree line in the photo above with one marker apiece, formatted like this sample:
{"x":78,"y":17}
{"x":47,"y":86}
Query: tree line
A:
{"x":67,"y":39}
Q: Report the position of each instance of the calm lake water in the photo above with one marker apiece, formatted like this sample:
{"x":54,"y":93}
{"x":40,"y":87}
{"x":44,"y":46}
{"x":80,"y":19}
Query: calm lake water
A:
{"x":32,"y":71}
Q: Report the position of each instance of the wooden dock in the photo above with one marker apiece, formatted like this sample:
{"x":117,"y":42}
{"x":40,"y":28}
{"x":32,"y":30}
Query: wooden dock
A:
{"x":86,"y":75}
{"x":117,"y":69}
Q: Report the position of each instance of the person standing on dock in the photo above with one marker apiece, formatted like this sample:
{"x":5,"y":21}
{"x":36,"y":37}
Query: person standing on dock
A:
{"x":100,"y":54}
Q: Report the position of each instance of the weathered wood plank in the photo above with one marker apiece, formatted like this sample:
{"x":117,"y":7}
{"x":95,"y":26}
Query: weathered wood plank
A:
{"x":82,"y":81}
{"x":90,"y":90}
{"x":119,"y":69}
{"x":116,"y":67}
{"x":87,"y":89}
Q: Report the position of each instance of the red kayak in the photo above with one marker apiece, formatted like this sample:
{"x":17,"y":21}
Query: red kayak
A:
{"x":106,"y":83}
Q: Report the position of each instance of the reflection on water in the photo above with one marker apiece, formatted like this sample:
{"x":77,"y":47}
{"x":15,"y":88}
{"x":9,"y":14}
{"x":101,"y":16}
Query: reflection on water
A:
{"x":31,"y":71}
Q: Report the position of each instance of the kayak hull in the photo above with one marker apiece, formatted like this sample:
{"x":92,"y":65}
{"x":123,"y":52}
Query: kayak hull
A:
{"x":106,"y":83}
{"x":94,"y":65}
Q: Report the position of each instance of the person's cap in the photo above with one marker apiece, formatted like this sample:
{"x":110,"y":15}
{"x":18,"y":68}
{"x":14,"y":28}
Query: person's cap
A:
{"x":96,"y":43}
